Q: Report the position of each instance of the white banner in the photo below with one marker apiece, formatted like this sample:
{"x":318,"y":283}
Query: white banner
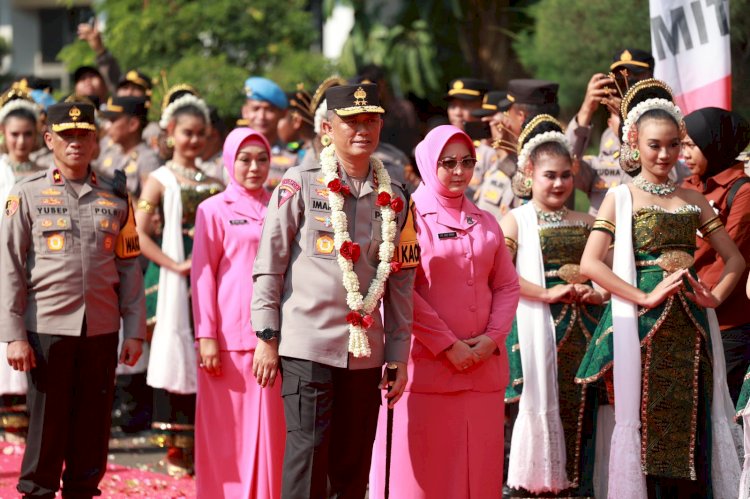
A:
{"x":690,"y":44}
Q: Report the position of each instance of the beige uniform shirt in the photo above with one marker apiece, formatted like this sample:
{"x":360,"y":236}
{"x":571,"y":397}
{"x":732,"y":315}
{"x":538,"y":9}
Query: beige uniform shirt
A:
{"x":136,"y":164}
{"x":297,"y":283}
{"x":57,"y":261}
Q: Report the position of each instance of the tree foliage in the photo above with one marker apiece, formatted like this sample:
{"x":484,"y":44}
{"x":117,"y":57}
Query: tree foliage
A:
{"x":213,"y":45}
{"x":570,"y":40}
{"x":423,"y":45}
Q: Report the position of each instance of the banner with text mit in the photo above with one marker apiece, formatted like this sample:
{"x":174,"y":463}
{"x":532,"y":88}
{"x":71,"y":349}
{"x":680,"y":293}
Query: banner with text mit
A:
{"x":690,"y":44}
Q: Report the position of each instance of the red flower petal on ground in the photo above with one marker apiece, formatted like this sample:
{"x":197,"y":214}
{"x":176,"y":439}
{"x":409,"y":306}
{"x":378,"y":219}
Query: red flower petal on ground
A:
{"x":384,"y":199}
{"x":397,"y":204}
{"x":334,"y":185}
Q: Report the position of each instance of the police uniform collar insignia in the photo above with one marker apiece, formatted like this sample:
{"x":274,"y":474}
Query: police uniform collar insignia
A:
{"x":93,"y":178}
{"x":57,"y":177}
{"x":470,"y":220}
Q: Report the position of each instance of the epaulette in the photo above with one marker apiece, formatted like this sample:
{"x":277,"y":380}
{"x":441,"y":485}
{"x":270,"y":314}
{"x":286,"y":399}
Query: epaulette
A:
{"x":34,"y":176}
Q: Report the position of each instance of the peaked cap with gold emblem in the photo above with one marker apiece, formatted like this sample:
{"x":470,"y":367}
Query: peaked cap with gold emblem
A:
{"x":348,"y":100}
{"x":71,"y":115}
{"x":467,"y":89}
{"x":635,"y":60}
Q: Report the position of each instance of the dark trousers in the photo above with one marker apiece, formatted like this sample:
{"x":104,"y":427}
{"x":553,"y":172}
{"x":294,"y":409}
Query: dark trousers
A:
{"x":331,"y":418}
{"x":737,"y":356}
{"x":69,"y":401}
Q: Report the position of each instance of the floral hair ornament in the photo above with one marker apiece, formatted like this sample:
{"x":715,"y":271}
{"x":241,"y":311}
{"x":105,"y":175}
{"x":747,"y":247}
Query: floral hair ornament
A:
{"x":184,"y":101}
{"x":630,"y":156}
{"x":17,"y":104}
{"x":18,"y":96}
{"x":527,"y":142}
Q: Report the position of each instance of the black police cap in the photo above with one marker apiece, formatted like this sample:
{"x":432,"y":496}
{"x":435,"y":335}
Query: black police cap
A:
{"x":348,"y":100}
{"x":529,"y":91}
{"x":125,"y":105}
{"x":493,"y":102}
{"x":467,"y":89}
{"x":71,"y":116}
{"x":135,"y":77}
{"x":635,"y":60}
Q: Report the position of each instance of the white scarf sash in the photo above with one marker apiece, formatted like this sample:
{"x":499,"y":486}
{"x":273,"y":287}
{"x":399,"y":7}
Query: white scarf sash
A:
{"x":537,"y":453}
{"x":172,"y":364}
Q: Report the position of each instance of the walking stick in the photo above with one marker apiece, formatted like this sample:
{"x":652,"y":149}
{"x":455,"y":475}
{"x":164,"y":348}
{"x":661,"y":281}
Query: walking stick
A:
{"x":391,"y":370}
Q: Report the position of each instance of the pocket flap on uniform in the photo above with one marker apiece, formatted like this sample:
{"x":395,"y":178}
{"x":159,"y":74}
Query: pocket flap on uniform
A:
{"x":54,"y":223}
{"x":289,"y":384}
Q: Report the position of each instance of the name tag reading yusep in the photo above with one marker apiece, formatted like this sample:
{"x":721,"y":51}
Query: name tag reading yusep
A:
{"x":447,"y":235}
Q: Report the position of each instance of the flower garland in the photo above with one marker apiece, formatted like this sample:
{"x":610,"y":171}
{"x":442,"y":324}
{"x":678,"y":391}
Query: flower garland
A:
{"x":360,"y":318}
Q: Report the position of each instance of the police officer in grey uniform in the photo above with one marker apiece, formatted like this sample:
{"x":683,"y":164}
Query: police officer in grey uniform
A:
{"x":68,"y":273}
{"x":127,"y":152}
{"x":495,"y":193}
{"x":598,"y":173}
{"x":300,"y":310}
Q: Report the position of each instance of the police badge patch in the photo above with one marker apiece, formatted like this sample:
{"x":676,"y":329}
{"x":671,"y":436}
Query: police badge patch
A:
{"x":287,"y":189}
{"x":11,"y":205}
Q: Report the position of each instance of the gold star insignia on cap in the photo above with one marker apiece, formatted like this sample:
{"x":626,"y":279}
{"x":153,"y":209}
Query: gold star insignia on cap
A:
{"x":360,"y":97}
{"x":458,"y":85}
{"x":74,"y":113}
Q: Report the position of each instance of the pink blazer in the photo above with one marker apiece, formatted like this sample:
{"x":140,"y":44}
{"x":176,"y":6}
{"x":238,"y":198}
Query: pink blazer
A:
{"x":227,"y":233}
{"x":466,"y":285}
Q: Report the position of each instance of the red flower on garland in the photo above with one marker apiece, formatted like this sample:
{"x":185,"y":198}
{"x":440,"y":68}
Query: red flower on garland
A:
{"x":345,"y":190}
{"x":334,"y":185}
{"x":397,"y":204}
{"x":395,"y":267}
{"x":354,"y":318}
{"x":350,"y":251}
{"x":384,"y":199}
{"x":367,"y":321}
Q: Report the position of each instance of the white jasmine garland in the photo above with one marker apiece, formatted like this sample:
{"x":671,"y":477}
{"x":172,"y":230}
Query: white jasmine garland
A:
{"x":185,"y":100}
{"x":525,"y":156}
{"x":358,"y":343}
{"x":648,"y":105}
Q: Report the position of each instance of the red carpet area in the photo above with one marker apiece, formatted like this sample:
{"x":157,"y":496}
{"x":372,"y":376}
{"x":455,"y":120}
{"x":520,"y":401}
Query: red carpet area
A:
{"x":119,"y":482}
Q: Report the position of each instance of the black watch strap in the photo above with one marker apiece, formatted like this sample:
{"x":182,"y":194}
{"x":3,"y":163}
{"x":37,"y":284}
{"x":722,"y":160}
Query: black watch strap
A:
{"x":267,"y":334}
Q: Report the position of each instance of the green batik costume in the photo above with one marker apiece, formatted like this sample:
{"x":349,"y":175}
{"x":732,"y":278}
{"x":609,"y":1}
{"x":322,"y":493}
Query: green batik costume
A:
{"x":675,"y":352}
{"x":742,"y":407}
{"x":562,"y":244}
{"x":192,"y":196}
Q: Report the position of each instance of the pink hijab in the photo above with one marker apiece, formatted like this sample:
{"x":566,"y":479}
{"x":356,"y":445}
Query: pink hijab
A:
{"x":431,"y":192}
{"x":232,"y":146}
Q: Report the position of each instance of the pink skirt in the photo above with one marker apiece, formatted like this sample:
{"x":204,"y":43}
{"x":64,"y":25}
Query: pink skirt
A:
{"x":239,"y":433}
{"x":444,"y":445}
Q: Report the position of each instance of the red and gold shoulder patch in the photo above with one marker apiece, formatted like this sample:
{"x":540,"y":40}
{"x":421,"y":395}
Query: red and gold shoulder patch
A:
{"x":287,"y":189}
{"x":11,"y":205}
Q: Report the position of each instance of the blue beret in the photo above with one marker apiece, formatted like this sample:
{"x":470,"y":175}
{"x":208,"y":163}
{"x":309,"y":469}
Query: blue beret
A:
{"x":42,"y":98}
{"x":263,"y":89}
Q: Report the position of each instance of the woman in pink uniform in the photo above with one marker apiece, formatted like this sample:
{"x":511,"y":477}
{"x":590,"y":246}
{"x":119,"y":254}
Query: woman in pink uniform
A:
{"x":448,"y":429}
{"x":239,"y":425}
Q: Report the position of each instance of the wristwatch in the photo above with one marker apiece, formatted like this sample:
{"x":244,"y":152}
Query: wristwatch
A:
{"x":267,"y":334}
